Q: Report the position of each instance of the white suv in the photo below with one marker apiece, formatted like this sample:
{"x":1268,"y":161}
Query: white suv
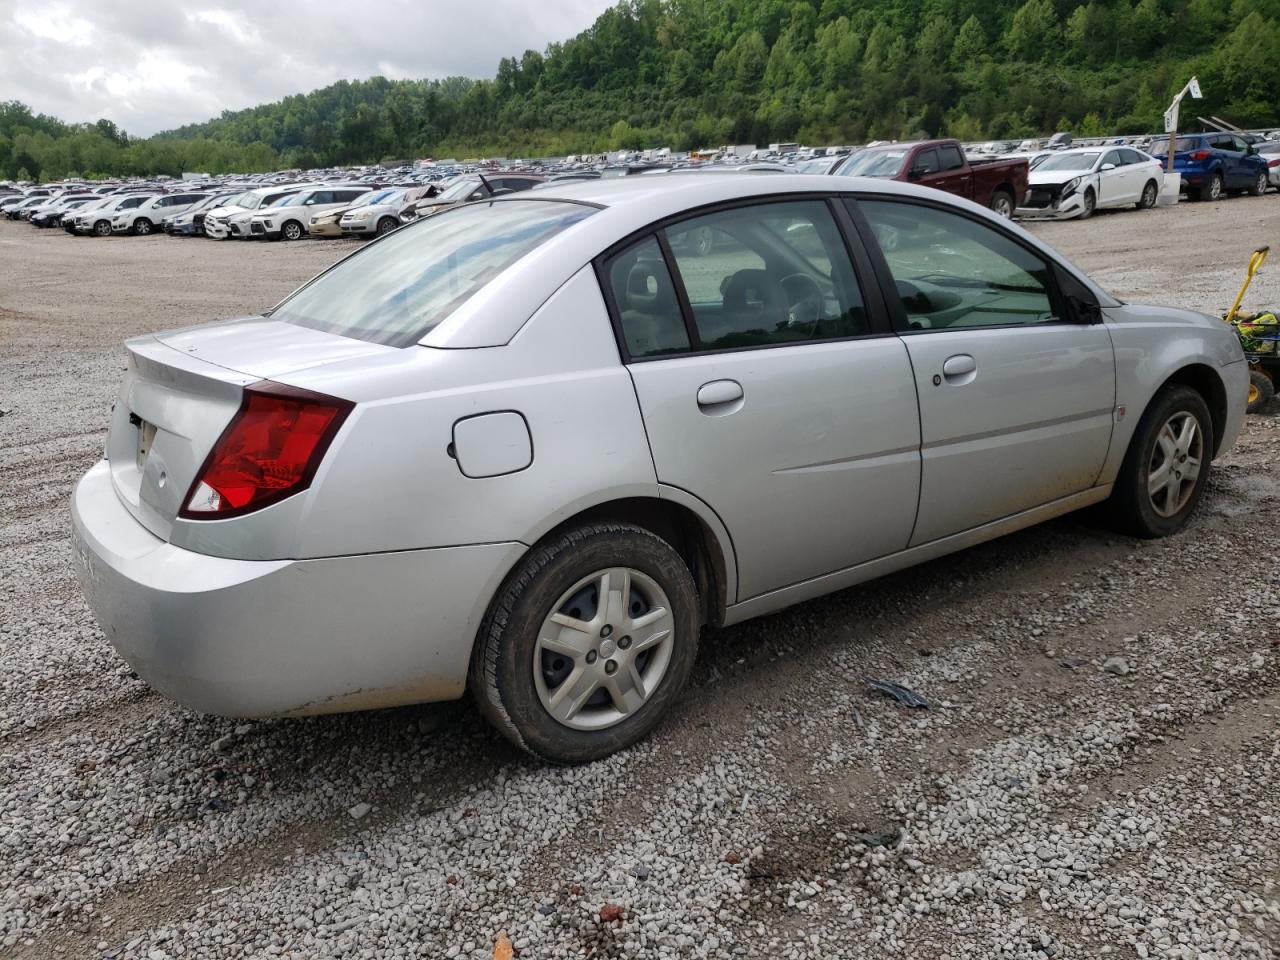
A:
{"x":145,"y":218}
{"x":288,"y":217}
{"x":98,"y":220}
{"x":233,"y":219}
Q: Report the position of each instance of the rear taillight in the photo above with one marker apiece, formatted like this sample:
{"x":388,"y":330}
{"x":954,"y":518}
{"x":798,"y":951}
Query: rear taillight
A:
{"x":1274,"y":163}
{"x":270,"y":450}
{"x":1199,"y":155}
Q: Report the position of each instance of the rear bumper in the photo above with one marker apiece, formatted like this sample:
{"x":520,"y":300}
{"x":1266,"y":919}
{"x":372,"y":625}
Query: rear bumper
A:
{"x":253,"y":638}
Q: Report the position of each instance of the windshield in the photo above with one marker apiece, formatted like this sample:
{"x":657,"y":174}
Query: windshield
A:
{"x":874,"y":163}
{"x":292,"y":200}
{"x":401,"y":286}
{"x":1069,"y":161}
{"x":373,"y":196}
{"x":250,"y":201}
{"x":459,"y":190}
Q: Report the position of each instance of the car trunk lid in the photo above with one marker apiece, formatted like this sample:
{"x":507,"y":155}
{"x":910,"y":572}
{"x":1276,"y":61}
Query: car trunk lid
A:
{"x":180,"y":391}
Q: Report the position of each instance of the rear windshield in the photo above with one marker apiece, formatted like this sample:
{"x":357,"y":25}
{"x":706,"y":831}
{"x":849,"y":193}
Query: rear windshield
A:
{"x":1180,"y":145}
{"x":395,"y":290}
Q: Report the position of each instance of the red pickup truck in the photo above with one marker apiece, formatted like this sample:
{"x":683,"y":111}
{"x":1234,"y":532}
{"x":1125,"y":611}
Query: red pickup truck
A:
{"x":997,"y":184}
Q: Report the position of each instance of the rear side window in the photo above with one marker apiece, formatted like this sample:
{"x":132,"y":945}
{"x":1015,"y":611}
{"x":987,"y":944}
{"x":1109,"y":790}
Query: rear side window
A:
{"x":398,"y":288}
{"x":952,"y":158}
{"x":646,"y":301}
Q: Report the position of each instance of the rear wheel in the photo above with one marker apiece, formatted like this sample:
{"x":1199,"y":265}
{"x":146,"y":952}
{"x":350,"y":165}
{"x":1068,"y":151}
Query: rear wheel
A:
{"x":1261,"y":391}
{"x":291,"y":230}
{"x":386,"y":225}
{"x":1259,"y":185}
{"x":1149,"y":194}
{"x":142,"y":226}
{"x":1212,"y":190}
{"x":1166,"y":466}
{"x":588,"y":643}
{"x":1002,"y":204}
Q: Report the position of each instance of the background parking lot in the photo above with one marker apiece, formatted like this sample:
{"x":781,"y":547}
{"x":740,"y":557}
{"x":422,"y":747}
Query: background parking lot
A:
{"x":1102,"y":771}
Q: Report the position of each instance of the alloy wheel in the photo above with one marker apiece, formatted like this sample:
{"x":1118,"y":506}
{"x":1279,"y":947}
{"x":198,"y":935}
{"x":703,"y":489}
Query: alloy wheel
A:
{"x":1215,"y":188}
{"x":604,"y":649}
{"x":1175,"y":463}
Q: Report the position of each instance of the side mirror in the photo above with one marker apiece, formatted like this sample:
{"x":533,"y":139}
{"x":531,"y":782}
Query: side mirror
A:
{"x":1249,"y":149}
{"x":1108,"y":166}
{"x":915,"y":173}
{"x":1085,"y":310}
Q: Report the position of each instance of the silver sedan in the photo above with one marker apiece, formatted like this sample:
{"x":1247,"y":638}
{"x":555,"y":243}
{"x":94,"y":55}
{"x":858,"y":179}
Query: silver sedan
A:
{"x":531,"y":445}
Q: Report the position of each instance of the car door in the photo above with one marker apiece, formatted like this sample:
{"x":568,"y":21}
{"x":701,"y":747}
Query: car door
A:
{"x":952,"y":175}
{"x":1113,"y":189}
{"x":771,"y":388}
{"x":1016,"y":394}
{"x":1246,"y":163}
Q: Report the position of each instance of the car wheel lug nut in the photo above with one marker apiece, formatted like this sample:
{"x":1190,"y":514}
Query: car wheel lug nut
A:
{"x":611,"y":667}
{"x":591,"y":656}
{"x":606,"y":630}
{"x":624,"y":643}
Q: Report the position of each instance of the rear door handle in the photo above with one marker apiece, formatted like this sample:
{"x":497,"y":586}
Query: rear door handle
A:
{"x":715,"y":396}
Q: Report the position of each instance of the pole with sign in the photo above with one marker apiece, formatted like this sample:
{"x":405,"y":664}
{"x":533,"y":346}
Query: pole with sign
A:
{"x":1171,"y":116}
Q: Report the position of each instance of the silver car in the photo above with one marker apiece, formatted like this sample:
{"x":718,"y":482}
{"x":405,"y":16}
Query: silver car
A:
{"x":530,"y":446}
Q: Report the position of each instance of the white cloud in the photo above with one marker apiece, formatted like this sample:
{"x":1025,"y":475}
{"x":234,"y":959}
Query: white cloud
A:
{"x":152,"y":66}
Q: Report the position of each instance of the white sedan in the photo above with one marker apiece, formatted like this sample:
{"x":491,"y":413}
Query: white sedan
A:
{"x":1074,"y":183}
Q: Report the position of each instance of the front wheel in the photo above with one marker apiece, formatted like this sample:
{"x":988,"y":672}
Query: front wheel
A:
{"x":142,"y":226}
{"x":291,"y":230}
{"x":1149,"y":194}
{"x":102,"y":228}
{"x":1090,"y":204}
{"x":588,"y":643}
{"x":1166,"y":466}
{"x":1002,"y":204}
{"x":386,"y":225}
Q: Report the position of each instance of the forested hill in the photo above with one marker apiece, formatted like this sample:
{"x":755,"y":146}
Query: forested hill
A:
{"x":697,"y":72}
{"x":689,"y":73}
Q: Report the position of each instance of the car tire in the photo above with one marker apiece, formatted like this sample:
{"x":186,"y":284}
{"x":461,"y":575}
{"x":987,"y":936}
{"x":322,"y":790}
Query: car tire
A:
{"x":291,"y":230}
{"x":1161,"y":449}
{"x":1002,"y":204}
{"x":1150,"y":193}
{"x":1260,"y":185}
{"x":1261,"y":391}
{"x":1212,"y":190}
{"x":518,"y":667}
{"x":142,"y":227}
{"x":102,"y":228}
{"x":1090,"y":203}
{"x":386,"y":225}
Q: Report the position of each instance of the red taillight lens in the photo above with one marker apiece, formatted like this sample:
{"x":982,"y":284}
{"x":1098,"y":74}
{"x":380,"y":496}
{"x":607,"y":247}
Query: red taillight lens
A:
{"x":1274,"y":163}
{"x":269,"y":450}
{"x":1199,"y":155}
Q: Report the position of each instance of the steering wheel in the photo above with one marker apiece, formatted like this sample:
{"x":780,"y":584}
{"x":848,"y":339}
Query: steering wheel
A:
{"x":805,"y":299}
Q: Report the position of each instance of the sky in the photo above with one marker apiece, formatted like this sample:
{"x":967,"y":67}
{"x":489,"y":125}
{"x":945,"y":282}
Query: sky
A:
{"x":152,"y":65}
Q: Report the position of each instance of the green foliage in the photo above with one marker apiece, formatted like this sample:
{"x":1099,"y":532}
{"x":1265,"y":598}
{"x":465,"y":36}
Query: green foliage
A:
{"x":693,"y":73}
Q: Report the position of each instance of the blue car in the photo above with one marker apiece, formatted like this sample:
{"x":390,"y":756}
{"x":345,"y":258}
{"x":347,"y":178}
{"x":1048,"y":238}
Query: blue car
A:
{"x":1213,"y":164}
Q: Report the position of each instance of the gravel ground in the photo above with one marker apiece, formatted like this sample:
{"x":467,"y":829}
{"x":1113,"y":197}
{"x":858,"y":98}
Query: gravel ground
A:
{"x":1100,"y":778}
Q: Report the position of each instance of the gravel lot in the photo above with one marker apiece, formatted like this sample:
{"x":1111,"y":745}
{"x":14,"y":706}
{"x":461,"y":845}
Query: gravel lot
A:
{"x":1101,"y":778}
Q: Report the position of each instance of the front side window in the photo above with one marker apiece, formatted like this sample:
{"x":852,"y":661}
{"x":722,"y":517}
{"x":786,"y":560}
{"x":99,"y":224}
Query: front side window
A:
{"x":1113,"y":157}
{"x":952,"y":272}
{"x":926,"y":162}
{"x":397,"y":289}
{"x":767,"y":274}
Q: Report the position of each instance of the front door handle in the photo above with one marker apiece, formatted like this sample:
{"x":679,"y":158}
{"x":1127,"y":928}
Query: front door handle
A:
{"x":720,"y":396}
{"x":960,"y":368}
